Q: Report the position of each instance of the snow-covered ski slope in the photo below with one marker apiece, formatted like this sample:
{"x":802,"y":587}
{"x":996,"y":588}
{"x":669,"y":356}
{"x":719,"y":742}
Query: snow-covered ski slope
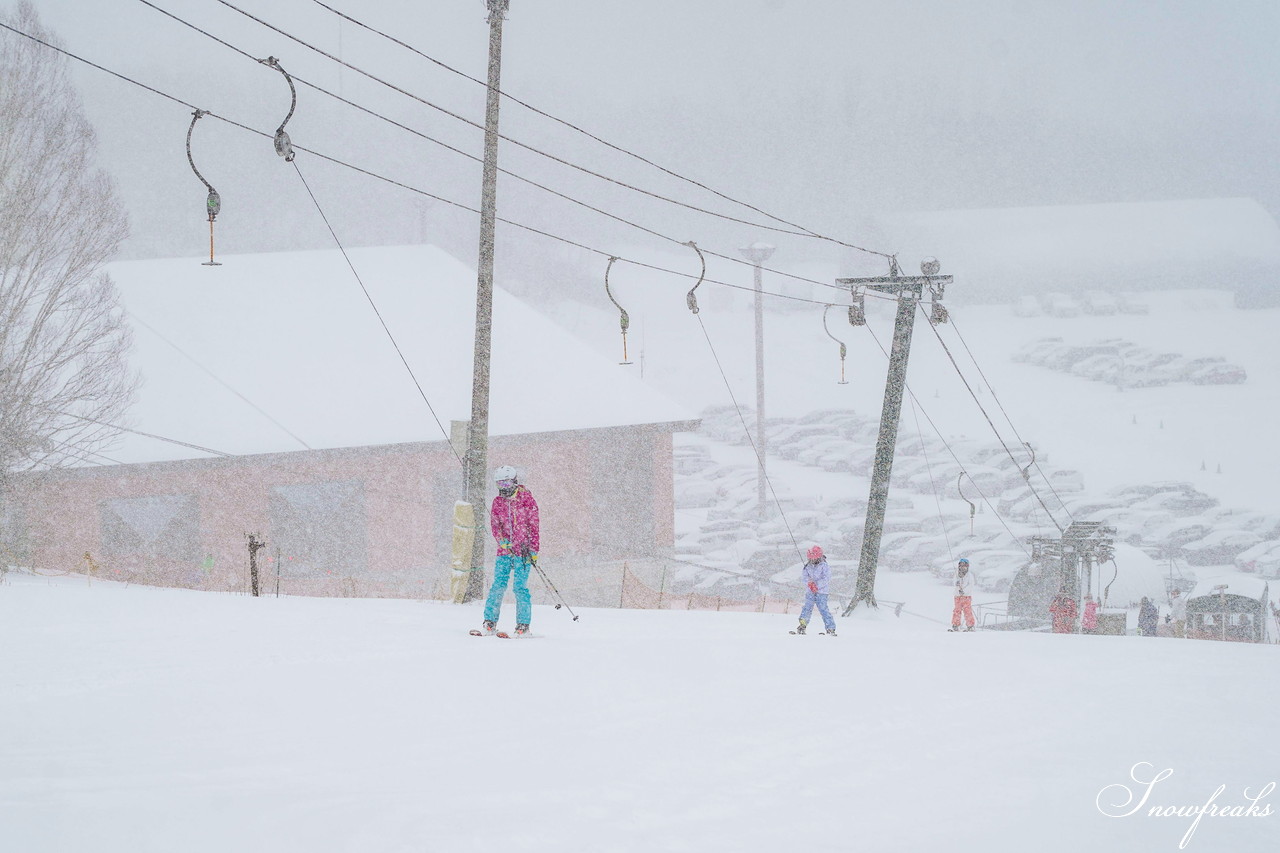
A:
{"x":140,"y":719}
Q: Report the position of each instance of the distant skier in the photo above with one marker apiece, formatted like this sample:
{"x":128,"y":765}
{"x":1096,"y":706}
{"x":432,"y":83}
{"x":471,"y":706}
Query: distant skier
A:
{"x":1148,"y":616}
{"x":964,"y":597}
{"x":513,"y":518}
{"x":1063,"y":610}
{"x":816,"y":576}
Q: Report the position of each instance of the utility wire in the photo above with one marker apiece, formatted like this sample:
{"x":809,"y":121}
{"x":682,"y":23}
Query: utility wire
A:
{"x":426,"y":193}
{"x":516,"y":142}
{"x":747,"y":430}
{"x":150,"y":435}
{"x":454,"y":149}
{"x":806,"y":231}
{"x":995,"y":397}
{"x":937,"y":499}
{"x":217,"y":379}
{"x":982,"y":409}
{"x":950,"y":449}
{"x":374,"y":306}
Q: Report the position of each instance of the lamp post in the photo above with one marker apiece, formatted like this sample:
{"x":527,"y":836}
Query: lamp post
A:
{"x":758,"y":253}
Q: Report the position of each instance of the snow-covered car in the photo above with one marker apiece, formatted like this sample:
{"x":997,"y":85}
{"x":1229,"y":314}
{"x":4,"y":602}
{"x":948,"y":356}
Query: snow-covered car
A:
{"x":1026,"y":306}
{"x":789,"y":438}
{"x":1131,"y":305}
{"x":1182,"y":371}
{"x":1179,"y":533}
{"x":1061,"y":305}
{"x":1219,"y":374}
{"x":1098,"y":303}
{"x":695,"y":493}
{"x":1065,"y":480}
{"x":1180,"y":501}
{"x":794,"y":446}
{"x":691,"y":459}
{"x":1104,"y":367}
{"x":1220,"y":547}
{"x":1038,"y":348}
{"x":1263,"y":558}
{"x":817,"y":449}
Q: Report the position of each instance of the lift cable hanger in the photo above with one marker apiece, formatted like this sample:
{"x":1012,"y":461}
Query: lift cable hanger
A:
{"x":213,"y":204}
{"x":283,"y":146}
{"x":624,"y":320}
{"x":843,"y":349}
{"x":690,"y":298}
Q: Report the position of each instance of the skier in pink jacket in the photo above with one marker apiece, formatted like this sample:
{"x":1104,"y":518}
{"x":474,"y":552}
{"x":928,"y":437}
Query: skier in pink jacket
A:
{"x":513,"y":519}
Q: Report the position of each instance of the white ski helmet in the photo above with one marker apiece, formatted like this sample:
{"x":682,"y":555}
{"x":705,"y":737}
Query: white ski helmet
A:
{"x":505,"y":472}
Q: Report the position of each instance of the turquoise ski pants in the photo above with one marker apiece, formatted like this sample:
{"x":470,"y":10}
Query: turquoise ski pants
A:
{"x":503,"y":567}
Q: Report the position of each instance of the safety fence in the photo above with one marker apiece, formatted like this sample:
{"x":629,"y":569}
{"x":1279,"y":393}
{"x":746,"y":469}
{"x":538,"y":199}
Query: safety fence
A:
{"x":640,"y":584}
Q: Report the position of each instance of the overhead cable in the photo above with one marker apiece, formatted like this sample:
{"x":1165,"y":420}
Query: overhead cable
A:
{"x":620,"y":219}
{"x":807,"y":232}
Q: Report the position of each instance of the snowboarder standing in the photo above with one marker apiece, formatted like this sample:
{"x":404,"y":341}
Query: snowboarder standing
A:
{"x":964,"y":597}
{"x":816,"y":575}
{"x":513,"y":518}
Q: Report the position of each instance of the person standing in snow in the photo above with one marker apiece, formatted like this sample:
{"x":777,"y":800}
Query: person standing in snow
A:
{"x":1063,"y":610}
{"x":1089,"y":619}
{"x":816,"y":576}
{"x":1178,"y":614}
{"x":964,"y":597}
{"x":1148,"y":616}
{"x":513,"y":518}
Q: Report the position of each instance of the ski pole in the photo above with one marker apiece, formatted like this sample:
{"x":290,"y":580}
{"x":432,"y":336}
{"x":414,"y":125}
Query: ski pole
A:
{"x":554,"y":591}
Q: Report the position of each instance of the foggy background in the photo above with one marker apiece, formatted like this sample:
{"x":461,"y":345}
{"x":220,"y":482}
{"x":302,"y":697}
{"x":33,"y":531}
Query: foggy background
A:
{"x":826,"y":113}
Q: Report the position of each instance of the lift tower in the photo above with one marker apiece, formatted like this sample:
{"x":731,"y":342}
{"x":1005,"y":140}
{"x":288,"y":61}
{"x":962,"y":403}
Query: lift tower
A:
{"x":909,"y":291}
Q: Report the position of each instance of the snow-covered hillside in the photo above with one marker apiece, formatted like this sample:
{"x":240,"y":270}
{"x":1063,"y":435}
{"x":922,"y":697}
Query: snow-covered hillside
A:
{"x":145,"y":720}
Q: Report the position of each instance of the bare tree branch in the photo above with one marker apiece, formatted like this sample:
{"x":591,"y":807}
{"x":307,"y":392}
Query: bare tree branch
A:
{"x":63,"y":339}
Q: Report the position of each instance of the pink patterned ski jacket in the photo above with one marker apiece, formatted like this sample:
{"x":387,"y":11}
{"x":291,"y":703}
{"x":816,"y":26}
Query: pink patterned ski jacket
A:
{"x":514,"y":522}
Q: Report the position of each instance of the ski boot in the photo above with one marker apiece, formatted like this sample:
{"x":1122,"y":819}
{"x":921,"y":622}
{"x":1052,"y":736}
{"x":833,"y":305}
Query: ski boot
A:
{"x":522,"y":630}
{"x":800,"y":628}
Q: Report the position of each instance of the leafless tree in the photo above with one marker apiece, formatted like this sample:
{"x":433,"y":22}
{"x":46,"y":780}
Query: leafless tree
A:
{"x":64,"y":375}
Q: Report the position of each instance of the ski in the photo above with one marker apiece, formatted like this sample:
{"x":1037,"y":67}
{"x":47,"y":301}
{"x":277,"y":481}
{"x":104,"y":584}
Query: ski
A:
{"x":476,"y":632}
{"x":504,"y":635}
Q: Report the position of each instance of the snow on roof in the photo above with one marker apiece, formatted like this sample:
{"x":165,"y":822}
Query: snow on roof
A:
{"x":282,"y":351}
{"x":1092,"y":245}
{"x":1245,"y":587}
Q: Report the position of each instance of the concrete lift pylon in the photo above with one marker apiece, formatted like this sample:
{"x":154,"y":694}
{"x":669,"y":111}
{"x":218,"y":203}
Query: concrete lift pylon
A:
{"x":909,"y":292}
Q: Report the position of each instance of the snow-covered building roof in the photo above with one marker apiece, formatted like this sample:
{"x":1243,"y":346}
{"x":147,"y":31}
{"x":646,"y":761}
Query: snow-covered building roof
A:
{"x":1245,"y":587}
{"x":1203,"y":243}
{"x":283,"y":351}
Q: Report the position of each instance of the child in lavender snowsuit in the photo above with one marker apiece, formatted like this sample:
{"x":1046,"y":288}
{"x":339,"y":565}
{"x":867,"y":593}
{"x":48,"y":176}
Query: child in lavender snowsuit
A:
{"x":816,"y":575}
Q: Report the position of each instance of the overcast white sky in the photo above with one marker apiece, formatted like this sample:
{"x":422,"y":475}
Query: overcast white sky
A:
{"x":820,"y":111}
